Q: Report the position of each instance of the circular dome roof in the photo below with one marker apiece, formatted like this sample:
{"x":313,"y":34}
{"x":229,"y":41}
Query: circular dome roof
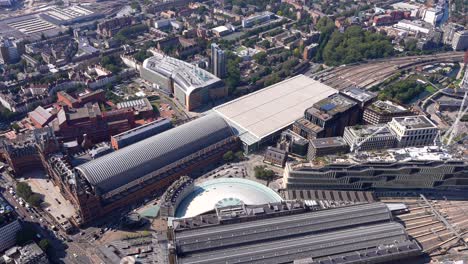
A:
{"x":222,"y":192}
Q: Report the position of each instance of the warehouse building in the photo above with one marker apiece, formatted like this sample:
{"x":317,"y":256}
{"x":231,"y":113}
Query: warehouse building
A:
{"x":127,"y":175}
{"x":193,"y":87}
{"x":288,"y":232}
{"x":261,"y":116}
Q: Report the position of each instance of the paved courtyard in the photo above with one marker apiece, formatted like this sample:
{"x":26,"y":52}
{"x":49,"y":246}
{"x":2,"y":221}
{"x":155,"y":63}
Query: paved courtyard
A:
{"x":55,"y":204}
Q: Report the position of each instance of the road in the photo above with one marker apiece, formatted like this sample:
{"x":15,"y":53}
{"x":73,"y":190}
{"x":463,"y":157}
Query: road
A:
{"x":374,"y":72}
{"x":65,"y":248}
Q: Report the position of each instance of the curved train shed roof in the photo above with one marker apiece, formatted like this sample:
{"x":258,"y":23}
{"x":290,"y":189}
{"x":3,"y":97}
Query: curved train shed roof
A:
{"x":137,"y":160}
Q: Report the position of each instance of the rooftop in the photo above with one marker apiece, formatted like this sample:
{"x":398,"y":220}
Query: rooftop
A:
{"x":41,"y":115}
{"x":328,"y":107}
{"x":189,"y":77}
{"x":126,"y":165}
{"x":67,"y":14}
{"x":139,"y":104}
{"x":152,"y":127}
{"x":414,"y":122}
{"x":365,"y":131}
{"x":224,"y":192}
{"x":387,"y":107}
{"x":359,"y":95}
{"x":328,"y":142}
{"x":275,"y":107}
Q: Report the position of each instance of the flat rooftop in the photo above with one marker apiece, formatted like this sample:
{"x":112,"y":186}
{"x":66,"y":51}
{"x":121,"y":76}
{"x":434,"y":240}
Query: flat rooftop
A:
{"x":358,"y":94}
{"x":387,"y":107}
{"x":329,"y":107}
{"x":328,"y":142}
{"x":275,"y":107}
{"x":365,"y":131}
{"x":414,"y":122}
{"x":68,"y":13}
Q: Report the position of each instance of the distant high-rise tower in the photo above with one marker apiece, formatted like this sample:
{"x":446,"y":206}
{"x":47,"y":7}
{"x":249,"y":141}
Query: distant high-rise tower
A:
{"x":218,"y":61}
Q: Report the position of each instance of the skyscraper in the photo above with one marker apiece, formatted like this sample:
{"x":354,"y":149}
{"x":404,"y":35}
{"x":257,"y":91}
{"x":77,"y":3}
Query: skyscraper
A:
{"x":218,"y":61}
{"x":10,"y":50}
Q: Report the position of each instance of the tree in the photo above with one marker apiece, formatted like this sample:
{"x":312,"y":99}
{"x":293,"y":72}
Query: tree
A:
{"x":239,"y":155}
{"x":228,"y":156}
{"x":354,"y":45}
{"x":24,"y":190}
{"x":260,"y":57}
{"x":262,"y":173}
{"x":233,"y":75}
{"x":15,"y":127}
{"x":44,"y":244}
{"x":25,"y":235}
{"x":34,"y":200}
{"x":135,"y":6}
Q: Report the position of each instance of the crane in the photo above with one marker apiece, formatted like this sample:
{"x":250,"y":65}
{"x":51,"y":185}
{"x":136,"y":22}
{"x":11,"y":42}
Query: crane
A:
{"x":355,"y":146}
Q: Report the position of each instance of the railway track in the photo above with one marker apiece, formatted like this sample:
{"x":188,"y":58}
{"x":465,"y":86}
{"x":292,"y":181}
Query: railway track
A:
{"x":434,"y":236}
{"x":369,"y":74}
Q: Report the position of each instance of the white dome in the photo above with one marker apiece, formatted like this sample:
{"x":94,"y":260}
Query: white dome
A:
{"x":208,"y":195}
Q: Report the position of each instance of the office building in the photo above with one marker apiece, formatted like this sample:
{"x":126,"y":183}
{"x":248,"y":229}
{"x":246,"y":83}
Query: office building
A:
{"x":260,"y":117}
{"x":460,"y":40}
{"x":218,"y":61}
{"x":137,"y":171}
{"x":291,"y":232}
{"x":449,"y":30}
{"x":275,"y":156}
{"x":414,"y":131}
{"x":192,"y":86}
{"x":327,"y":146}
{"x":381,"y":112}
{"x":360,"y":96}
{"x":8,"y":230}
{"x":293,"y":143}
{"x":369,"y":137}
{"x":328,"y":117}
{"x":413,"y":169}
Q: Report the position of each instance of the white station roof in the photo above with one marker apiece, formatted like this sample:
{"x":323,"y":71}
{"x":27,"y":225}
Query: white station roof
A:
{"x":275,"y":107}
{"x":224,"y":192}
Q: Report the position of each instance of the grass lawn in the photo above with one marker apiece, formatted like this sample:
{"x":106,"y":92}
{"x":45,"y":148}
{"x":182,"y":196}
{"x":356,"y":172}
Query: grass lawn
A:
{"x":431,"y":89}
